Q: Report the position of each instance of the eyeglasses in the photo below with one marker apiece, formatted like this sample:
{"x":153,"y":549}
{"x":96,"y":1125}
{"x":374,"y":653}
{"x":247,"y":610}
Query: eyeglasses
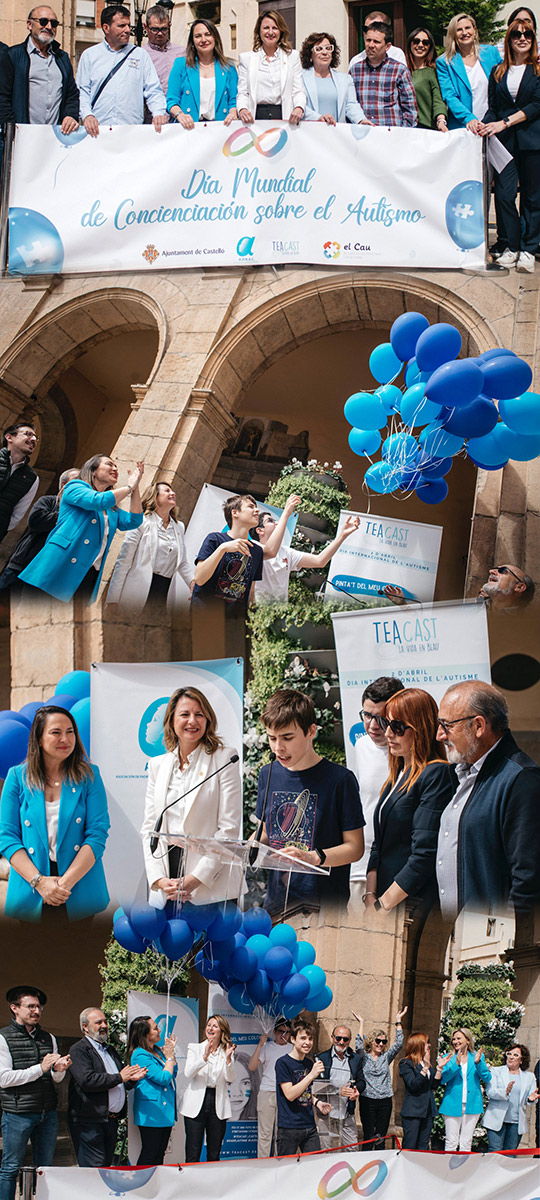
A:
{"x":367,"y":716}
{"x":157,"y":29}
{"x":381,"y":1041}
{"x":44,"y":21}
{"x":341,"y":1039}
{"x":515,"y":37}
{"x":421,"y":42}
{"x":507,"y":570}
{"x":446,"y":725}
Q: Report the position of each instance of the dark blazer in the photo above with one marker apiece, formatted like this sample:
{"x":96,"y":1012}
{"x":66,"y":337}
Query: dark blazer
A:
{"x":406,"y":830}
{"x":89,"y":1086}
{"x":41,"y":519}
{"x":14,"y":85}
{"x":525,"y":136}
{"x":419,"y":1101}
{"x":499,"y":832}
{"x":355,"y":1067}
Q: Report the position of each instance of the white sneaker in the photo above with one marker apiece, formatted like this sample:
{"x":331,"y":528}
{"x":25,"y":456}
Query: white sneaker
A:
{"x":508,"y":258}
{"x":525,"y":262}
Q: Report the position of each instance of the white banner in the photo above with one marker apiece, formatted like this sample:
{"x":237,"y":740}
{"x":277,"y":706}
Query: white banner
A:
{"x":428,"y":646}
{"x":388,"y":1174}
{"x":385,"y":551}
{"x":128,"y":703}
{"x":349,"y":195}
{"x":181,"y":1018}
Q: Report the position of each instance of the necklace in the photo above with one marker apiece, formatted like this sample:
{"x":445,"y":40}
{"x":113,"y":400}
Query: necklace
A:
{"x":53,"y":782}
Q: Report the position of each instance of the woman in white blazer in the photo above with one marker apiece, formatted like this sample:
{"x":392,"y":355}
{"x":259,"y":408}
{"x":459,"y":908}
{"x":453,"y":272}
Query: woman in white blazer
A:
{"x":509,"y":1091}
{"x":270,"y":76}
{"x":206,"y":1107}
{"x":212,"y":810}
{"x":153,"y":557}
{"x":330,"y":95}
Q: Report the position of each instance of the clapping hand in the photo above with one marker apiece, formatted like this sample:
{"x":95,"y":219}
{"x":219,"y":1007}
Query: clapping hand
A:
{"x":169,"y":1046}
{"x":229,"y":1051}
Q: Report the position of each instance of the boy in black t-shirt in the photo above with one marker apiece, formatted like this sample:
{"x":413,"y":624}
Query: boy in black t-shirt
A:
{"x":228,"y":564}
{"x":313,"y":809}
{"x":295,"y":1072}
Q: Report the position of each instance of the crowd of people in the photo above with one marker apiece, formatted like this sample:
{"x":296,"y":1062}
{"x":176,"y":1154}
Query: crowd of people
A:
{"x":492,"y":91}
{"x":306,"y":1101}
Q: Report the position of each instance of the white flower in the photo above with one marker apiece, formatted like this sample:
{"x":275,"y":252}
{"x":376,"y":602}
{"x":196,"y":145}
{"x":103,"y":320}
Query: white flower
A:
{"x":326,"y":688}
{"x":337,"y":466}
{"x":326,"y":464}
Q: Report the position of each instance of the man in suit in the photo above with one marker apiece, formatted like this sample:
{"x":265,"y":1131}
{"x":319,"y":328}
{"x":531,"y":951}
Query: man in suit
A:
{"x":97,"y":1091}
{"x":489,"y":839}
{"x":37,"y":85}
{"x":18,"y":480}
{"x":343,"y":1068}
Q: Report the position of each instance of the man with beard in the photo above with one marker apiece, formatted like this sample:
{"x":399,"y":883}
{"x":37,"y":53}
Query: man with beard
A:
{"x":489,"y":840}
{"x":37,"y":86}
{"x":507,"y":588}
{"x":97,"y":1091}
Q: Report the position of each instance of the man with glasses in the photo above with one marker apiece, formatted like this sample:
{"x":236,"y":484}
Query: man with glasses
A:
{"x":18,"y":480}
{"x":371,"y":770}
{"x":30,"y":1066}
{"x":342,"y":1067}
{"x":488,"y":852}
{"x":37,"y":86}
{"x":159,"y":46}
{"x":274,"y":584}
{"x":266,"y":1055}
{"x":507,"y":589}
{"x":392,"y":51}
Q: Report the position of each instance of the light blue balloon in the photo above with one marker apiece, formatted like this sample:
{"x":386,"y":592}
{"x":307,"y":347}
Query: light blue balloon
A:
{"x":77,"y":683}
{"x":69,"y":139}
{"x":415,"y":409}
{"x":316,"y":978}
{"x":390,"y":395}
{"x":259,"y":945}
{"x":35,"y":245}
{"x":522,"y":413}
{"x":384,"y":364}
{"x":81,"y":714}
{"x":379,"y":477}
{"x":364,"y":441}
{"x":412,"y":372}
{"x":283,"y":935}
{"x":518,"y":447}
{"x":401,"y":446}
{"x":464,"y":212}
{"x":365,"y":411}
{"x":437,"y":443}
{"x":489,"y":450}
{"x":125,"y":1179}
{"x":304,"y":955}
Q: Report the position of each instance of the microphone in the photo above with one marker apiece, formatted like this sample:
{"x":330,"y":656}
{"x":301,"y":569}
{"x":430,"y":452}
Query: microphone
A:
{"x":252,"y":856}
{"x":157,"y":827}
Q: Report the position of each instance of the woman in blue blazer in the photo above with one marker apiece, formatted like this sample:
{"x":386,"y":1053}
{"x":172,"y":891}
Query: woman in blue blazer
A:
{"x":202,"y":86}
{"x":154,"y":1098}
{"x":330,"y":95}
{"x":418,"y":1108}
{"x":462,"y":1071}
{"x":54,"y":824}
{"x":88,"y":518}
{"x":463,"y":72}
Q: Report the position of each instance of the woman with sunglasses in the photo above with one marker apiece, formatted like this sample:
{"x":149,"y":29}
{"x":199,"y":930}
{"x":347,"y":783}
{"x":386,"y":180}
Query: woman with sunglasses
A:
{"x":407,"y":817}
{"x":513,"y":115}
{"x":418,"y":1108}
{"x":421,"y":59}
{"x":375,"y":1058}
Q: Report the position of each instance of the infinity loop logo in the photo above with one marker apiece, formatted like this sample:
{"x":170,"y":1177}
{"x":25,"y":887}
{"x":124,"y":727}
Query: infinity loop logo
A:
{"x":352,"y":1181}
{"x":247,"y":140}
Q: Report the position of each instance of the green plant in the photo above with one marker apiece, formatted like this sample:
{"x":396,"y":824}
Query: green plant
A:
{"x":484,"y":12}
{"x":317,"y":497}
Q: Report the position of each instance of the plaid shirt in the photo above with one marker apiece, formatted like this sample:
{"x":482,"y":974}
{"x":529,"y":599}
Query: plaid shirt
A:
{"x":385,"y":92}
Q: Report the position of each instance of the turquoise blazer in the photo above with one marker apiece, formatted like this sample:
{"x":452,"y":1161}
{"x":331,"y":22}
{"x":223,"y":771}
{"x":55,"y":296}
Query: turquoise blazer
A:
{"x":455,"y":87}
{"x":452,"y":1079}
{"x":83,"y":821}
{"x":154,"y":1098}
{"x":75,"y":542}
{"x":184,"y":89}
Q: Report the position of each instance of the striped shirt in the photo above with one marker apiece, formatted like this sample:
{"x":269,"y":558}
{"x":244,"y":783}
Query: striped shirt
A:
{"x":385,"y":92}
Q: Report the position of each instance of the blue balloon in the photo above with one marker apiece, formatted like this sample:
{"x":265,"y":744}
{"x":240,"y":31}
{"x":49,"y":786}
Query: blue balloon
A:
{"x":239,"y":999}
{"x":304,"y":955}
{"x":497,"y":352}
{"x":69,"y":139}
{"x":432,"y":491}
{"x":505,"y":377}
{"x":77,"y":683}
{"x":283,"y":935}
{"x":221,"y":951}
{"x":243,"y":963}
{"x":384,"y":364}
{"x":455,"y":383}
{"x":118,"y":912}
{"x":316,"y":978}
{"x":60,"y":700}
{"x":415,"y":409}
{"x":464,"y":212}
{"x":400,"y":446}
{"x":9,"y":714}
{"x":176,"y":939}
{"x":435,"y":468}
{"x":127,"y":937}
{"x":321,"y":999}
{"x":148,"y":922}
{"x":364,"y":441}
{"x":126,"y":1179}
{"x":409,"y":477}
{"x":240,"y":939}
{"x":278,"y":963}
{"x":390,"y":396}
{"x":365,"y":411}
{"x":412,"y":372}
{"x":405,"y":332}
{"x":256,"y":920}
{"x":35,"y":245}
{"x":259,"y":987}
{"x":226,"y":923}
{"x":517,"y":446}
{"x":474,"y":419}
{"x":295,"y":990}
{"x":521,"y":413}
{"x":13,"y":745}
{"x":289,"y":1011}
{"x":198,"y":916}
{"x":208,"y":968}
{"x":379,"y":477}
{"x":488,"y":450}
{"x":259,"y":945}
{"x":439,"y":344}
{"x":437,"y":443}
{"x":28,"y":711}
{"x":81,"y":714}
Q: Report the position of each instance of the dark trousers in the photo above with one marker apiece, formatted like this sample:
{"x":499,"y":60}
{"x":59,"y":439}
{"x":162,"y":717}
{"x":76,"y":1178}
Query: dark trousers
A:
{"x":154,"y":1142}
{"x":375,"y":1116}
{"x":297,"y":1141}
{"x":525,"y":169}
{"x":205,"y":1123}
{"x":416,"y":1132}
{"x":268,"y":112}
{"x":94,"y":1143}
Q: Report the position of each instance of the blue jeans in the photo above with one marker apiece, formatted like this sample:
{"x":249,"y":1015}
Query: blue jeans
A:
{"x":505,"y":1138}
{"x":41,"y":1128}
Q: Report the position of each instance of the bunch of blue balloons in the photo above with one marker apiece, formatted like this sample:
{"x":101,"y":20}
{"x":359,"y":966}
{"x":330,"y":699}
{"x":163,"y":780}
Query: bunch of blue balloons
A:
{"x":72,"y":692}
{"x":479,"y":406}
{"x":260,"y":966}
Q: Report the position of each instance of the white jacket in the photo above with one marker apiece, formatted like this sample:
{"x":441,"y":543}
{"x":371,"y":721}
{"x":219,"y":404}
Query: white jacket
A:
{"x":495,"y":1113}
{"x":132,"y":576}
{"x":292,"y":88}
{"x":214,"y":810}
{"x":197,"y":1071}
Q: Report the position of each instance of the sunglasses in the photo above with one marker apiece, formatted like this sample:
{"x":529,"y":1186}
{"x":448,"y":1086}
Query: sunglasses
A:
{"x":508,"y":570}
{"x":515,"y":37}
{"x":421,"y":42}
{"x":341,"y":1039}
{"x":397,"y":727}
{"x":44,"y":21}
{"x":381,"y":1041}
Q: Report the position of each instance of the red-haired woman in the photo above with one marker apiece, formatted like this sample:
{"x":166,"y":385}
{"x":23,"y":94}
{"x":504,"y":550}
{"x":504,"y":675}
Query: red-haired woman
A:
{"x":407,"y":817}
{"x":418,"y":1108}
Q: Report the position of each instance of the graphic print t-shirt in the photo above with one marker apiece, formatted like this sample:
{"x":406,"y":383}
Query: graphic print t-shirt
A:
{"x":294,"y":1114}
{"x":234,"y":575}
{"x":308,"y":809}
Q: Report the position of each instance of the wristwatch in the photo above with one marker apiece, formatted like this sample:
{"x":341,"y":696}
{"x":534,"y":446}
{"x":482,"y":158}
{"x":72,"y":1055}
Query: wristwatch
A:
{"x":322,"y":856}
{"x":34,"y":882}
